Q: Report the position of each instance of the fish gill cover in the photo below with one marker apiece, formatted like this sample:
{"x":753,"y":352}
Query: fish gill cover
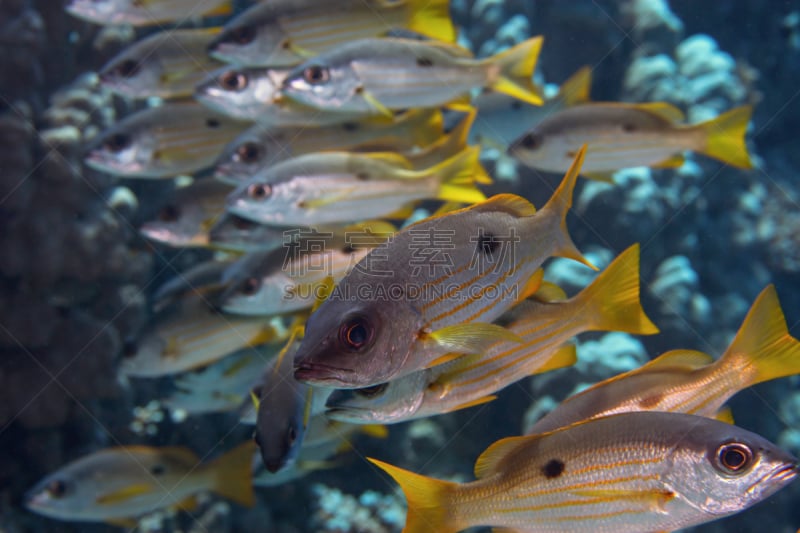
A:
{"x":309,"y":227}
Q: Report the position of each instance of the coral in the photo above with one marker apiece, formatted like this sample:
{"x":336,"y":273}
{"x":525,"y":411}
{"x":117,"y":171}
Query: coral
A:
{"x":342,"y":513}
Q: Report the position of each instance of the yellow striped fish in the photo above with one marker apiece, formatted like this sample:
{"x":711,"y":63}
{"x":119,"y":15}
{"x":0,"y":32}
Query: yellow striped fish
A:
{"x":259,"y":147}
{"x":686,"y":381}
{"x":164,"y":141}
{"x":242,"y":93}
{"x":626,"y":473}
{"x":375,"y":76}
{"x":433,"y":290}
{"x":610,"y":303}
{"x":623,"y":135}
{"x":146,"y":12}
{"x":187,"y":218}
{"x":193,"y":336}
{"x":168,"y":64}
{"x":285,"y":32}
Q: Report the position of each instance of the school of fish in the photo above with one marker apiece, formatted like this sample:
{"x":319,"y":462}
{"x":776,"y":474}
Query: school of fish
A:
{"x":305,"y":149}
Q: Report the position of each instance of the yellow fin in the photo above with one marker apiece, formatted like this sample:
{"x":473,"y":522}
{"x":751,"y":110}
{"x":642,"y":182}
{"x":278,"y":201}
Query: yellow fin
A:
{"x":325,"y":288}
{"x":602,"y":177}
{"x":402,"y":213}
{"x":376,"y":105}
{"x":763,"y":342}
{"x":428,"y":500}
{"x":563,"y":357}
{"x":431,"y":18}
{"x":377,"y":431}
{"x":462,"y":104}
{"x":389,"y":158}
{"x":299,"y":50}
{"x":264,"y":335}
{"x":560,"y":204}
{"x":189,"y":504}
{"x":675,"y":161}
{"x":255,"y":399}
{"x":472,"y":403}
{"x":240,"y":364}
{"x":725,"y":415}
{"x":664,"y":110}
{"x":424,"y":126}
{"x":220,"y":11}
{"x":377,"y":227}
{"x":575,"y":90}
{"x":463,"y":168}
{"x":725,"y":137}
{"x":686,"y":360}
{"x":446,"y":358}
{"x":490,"y":460}
{"x":611,"y":301}
{"x":233,"y":474}
{"x":124,"y":494}
{"x":531,"y":286}
{"x":460,"y":193}
{"x":512,"y":204}
{"x":516,"y":71}
{"x":550,"y":292}
{"x":308,"y":405}
{"x":472,"y":337}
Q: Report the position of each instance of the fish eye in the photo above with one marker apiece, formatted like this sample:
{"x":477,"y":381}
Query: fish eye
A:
{"x":316,"y":74}
{"x":129,"y":348}
{"x":734,"y":458}
{"x":157,"y":470}
{"x":250,"y":286}
{"x":291,"y":434}
{"x":169,"y":213}
{"x":243,"y":35}
{"x":355,"y":333}
{"x":118,"y":142}
{"x":57,"y":488}
{"x":259,"y":191}
{"x":248,"y":153}
{"x":371,"y":392}
{"x":234,"y":81}
{"x":128,"y":68}
{"x":532,"y":141}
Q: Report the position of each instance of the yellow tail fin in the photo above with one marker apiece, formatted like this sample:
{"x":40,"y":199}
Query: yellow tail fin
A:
{"x":763,"y":342}
{"x":516,"y":66}
{"x":559,"y":205}
{"x":575,"y":90}
{"x":233,"y":474}
{"x":611,"y":302}
{"x":427,"y":499}
{"x":432,"y":18}
{"x":458,"y":176}
{"x":725,"y":137}
{"x":423,"y":126}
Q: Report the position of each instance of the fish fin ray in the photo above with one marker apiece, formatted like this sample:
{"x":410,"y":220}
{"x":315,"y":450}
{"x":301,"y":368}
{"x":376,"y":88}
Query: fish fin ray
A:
{"x":490,"y":461}
{"x":725,"y":137}
{"x":377,"y":431}
{"x":674,"y":161}
{"x":549,"y":292}
{"x":375,"y":104}
{"x":563,"y":357}
{"x":516,"y":71}
{"x":473,"y":337}
{"x":233,"y":474}
{"x":602,"y":177}
{"x":532,"y":286}
{"x":508,"y":203}
{"x":576,"y":89}
{"x":432,"y":18}
{"x":725,"y":414}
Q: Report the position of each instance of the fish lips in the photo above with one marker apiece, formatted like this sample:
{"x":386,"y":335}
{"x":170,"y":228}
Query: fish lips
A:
{"x":322,"y":375}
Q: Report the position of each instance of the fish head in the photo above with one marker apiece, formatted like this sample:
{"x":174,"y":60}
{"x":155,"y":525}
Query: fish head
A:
{"x":130,"y":75}
{"x":260,"y":200}
{"x":353,"y":342}
{"x":59,"y":495}
{"x":238,"y":233}
{"x":249,"y":154}
{"x":258,"y":295}
{"x":123,"y":151}
{"x":249,"y":40}
{"x":239,"y":92}
{"x":721,"y":469}
{"x":279,"y":430}
{"x":530,"y":148}
{"x":384,"y":403}
{"x":324,"y":85}
{"x":178,"y":225}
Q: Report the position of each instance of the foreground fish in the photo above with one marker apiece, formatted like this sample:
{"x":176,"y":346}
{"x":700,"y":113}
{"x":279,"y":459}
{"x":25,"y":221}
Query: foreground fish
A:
{"x":629,"y":135}
{"x":189,"y":216}
{"x":685,"y":381}
{"x":626,"y":473}
{"x":195,"y":335}
{"x":344,"y":187}
{"x":168,"y":64}
{"x":433,"y":290}
{"x":610,"y":303}
{"x":375,"y":76}
{"x":259,"y":147}
{"x":164,"y":141}
{"x":116,"y":484}
{"x":146,"y":12}
{"x":285,"y":32}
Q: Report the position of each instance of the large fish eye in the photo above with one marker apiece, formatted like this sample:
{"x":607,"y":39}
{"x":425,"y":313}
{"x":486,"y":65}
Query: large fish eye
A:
{"x":128,"y":68}
{"x":250,"y":286}
{"x":243,"y":35}
{"x":233,"y":81}
{"x":259,"y":191}
{"x":248,"y":152}
{"x":57,"y":488}
{"x":371,"y":392}
{"x":734,"y":458}
{"x":355,"y":333}
{"x":316,"y":74}
{"x":117,"y":142}
{"x":532,"y":141}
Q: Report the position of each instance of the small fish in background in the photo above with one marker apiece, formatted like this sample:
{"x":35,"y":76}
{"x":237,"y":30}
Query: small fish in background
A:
{"x":434,"y":290}
{"x":286,"y":32}
{"x":344,"y":187}
{"x":376,"y":76}
{"x":610,"y":303}
{"x":258,"y":148}
{"x":502,"y":118}
{"x":628,"y":473}
{"x":241,"y":93}
{"x":207,"y":278}
{"x":193,"y":335}
{"x":117,"y":485}
{"x":146,"y":12}
{"x":186,"y":220}
{"x":163,"y":142}
{"x":621,"y":135}
{"x":687,"y":381}
{"x":168,"y":64}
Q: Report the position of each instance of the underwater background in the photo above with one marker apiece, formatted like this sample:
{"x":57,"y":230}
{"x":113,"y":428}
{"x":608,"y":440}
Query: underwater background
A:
{"x":76,"y":277}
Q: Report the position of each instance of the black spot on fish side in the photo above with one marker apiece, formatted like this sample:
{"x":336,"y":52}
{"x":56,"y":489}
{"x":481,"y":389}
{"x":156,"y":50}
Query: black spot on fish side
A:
{"x":553,"y":469}
{"x":424,"y":62}
{"x":157,"y":470}
{"x":362,"y":176}
{"x":628,"y":127}
{"x":532,"y":141}
{"x":487,"y":243}
{"x":212,"y":123}
{"x":516,"y":105}
{"x":350,"y":126}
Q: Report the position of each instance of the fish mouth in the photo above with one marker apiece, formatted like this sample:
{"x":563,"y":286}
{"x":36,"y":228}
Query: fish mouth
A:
{"x":783,"y":474}
{"x":320,"y":373}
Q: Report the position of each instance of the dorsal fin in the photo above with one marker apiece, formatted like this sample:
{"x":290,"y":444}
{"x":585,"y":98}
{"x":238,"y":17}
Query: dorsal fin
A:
{"x":664,"y":110}
{"x":489,"y":461}
{"x":681,"y":359}
{"x":549,"y":292}
{"x":512,"y":204}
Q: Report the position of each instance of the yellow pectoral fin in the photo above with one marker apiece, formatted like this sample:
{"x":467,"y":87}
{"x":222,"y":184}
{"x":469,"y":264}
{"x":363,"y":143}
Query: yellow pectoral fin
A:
{"x":725,"y":415}
{"x":124,"y":494}
{"x":564,"y":357}
{"x":377,"y":431}
{"x":446,"y":358}
{"x":549,"y":292}
{"x":473,"y":337}
{"x":675,"y":161}
{"x":376,"y":105}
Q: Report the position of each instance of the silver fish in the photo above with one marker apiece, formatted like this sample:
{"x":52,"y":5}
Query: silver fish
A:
{"x":241,"y":93}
